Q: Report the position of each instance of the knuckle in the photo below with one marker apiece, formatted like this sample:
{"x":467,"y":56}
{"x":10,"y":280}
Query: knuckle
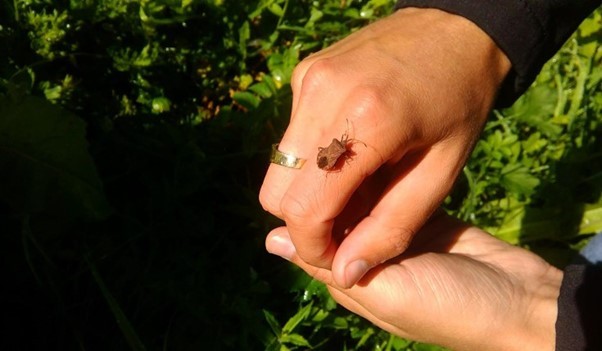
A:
{"x":269,"y":201}
{"x":317,"y":252}
{"x":399,"y":238}
{"x":319,"y":259}
{"x":299,"y":73}
{"x":368,"y":102}
{"x":301,"y":215}
{"x":294,"y":209}
{"x":318,"y":74}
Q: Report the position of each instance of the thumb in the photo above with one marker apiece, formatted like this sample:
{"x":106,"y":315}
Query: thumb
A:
{"x":421,"y":184}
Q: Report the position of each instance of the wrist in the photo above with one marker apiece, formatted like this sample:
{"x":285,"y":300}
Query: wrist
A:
{"x":536,"y":329}
{"x":526,"y":320}
{"x":473,"y":53}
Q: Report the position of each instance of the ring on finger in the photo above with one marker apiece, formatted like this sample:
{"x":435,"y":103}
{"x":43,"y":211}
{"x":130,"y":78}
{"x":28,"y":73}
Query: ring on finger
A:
{"x":285,"y":159}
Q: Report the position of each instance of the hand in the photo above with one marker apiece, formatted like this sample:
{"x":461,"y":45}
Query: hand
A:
{"x":413,"y":90}
{"x":455,"y":286}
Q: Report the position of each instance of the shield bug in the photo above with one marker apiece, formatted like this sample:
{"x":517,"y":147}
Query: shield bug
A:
{"x":329,"y":156}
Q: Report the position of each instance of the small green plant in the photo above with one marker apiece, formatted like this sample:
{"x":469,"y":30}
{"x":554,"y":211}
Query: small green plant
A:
{"x":534,"y":178}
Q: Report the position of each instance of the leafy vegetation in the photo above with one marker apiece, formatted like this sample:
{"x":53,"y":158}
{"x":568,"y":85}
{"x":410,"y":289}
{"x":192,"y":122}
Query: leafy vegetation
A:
{"x":133,"y":141}
{"x":535,"y":178}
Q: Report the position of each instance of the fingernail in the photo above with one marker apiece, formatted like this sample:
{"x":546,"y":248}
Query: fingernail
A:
{"x":354,"y":272}
{"x":282,"y":246}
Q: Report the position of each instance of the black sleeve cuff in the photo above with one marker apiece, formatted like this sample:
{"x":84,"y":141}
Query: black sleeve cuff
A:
{"x":579,"y":322}
{"x":529,"y":32}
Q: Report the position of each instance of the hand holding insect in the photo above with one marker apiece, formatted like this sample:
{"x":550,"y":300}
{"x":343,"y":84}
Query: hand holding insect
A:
{"x":415,"y":88}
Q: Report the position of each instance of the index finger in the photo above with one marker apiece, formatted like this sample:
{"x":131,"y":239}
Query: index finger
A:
{"x":316,"y":197}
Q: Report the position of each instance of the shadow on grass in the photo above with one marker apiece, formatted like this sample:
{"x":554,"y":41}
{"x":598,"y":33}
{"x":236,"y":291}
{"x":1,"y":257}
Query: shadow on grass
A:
{"x":552,"y":225}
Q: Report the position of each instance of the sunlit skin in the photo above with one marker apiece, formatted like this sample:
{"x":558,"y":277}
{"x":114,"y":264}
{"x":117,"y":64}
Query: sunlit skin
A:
{"x":419,"y":105}
{"x":416,"y":103}
{"x":456,"y":286}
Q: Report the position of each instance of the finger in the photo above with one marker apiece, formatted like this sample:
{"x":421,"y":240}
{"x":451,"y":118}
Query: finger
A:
{"x":316,"y":197}
{"x":347,"y":298}
{"x":422,"y":183}
{"x":341,"y":47}
{"x":278,"y":242}
{"x":298,"y":142}
{"x":360,"y":299}
{"x":316,"y":106}
{"x":441,"y":234}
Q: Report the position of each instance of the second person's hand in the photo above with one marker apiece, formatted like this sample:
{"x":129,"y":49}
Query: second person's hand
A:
{"x":456,"y":286}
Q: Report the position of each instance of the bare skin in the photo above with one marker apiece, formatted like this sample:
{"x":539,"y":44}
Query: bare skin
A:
{"x":455,"y":286}
{"x":417,"y":87}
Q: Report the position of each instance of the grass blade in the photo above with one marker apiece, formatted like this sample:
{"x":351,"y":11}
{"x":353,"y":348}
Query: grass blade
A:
{"x":124,"y":324}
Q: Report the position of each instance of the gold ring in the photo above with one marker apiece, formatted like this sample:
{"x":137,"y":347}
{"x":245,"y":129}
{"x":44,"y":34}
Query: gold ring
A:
{"x":287,"y":160}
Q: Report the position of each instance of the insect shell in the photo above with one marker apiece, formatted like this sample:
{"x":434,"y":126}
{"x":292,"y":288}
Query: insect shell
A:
{"x":329,"y":156}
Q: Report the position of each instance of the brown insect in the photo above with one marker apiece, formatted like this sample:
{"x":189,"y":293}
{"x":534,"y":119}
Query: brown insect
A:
{"x":329,"y":156}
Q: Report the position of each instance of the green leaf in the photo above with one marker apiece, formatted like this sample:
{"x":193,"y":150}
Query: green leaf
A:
{"x":535,"y":108}
{"x":160,"y":105}
{"x":273,"y":346}
{"x":365,"y":336}
{"x":272,"y":322}
{"x":592,"y":219}
{"x":244,"y":34}
{"x":294,"y":339}
{"x":45,"y":163}
{"x":262,"y":89}
{"x":397,"y":343}
{"x":315,"y":288}
{"x":276,"y":9}
{"x":281,"y":65}
{"x":519,"y":180}
{"x":246,"y":99}
{"x":299,"y":317}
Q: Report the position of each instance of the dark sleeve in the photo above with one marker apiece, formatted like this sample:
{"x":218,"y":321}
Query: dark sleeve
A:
{"x":579,"y":322}
{"x":528,"y":31}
